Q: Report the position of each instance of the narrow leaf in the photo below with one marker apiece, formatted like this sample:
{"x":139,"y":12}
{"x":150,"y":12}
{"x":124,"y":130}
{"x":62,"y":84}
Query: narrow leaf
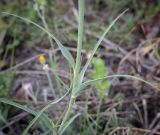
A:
{"x":64,"y":50}
{"x":87,"y":83}
{"x":81,"y":75}
{"x":44,"y":118}
{"x":69,"y":122}
{"x":41,"y":112}
{"x":81,"y":4}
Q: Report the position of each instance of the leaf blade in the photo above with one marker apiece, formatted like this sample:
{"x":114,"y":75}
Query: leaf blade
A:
{"x":87,"y":83}
{"x":41,"y":112}
{"x":12,"y":103}
{"x":64,"y":50}
{"x":82,"y":73}
{"x":69,"y":122}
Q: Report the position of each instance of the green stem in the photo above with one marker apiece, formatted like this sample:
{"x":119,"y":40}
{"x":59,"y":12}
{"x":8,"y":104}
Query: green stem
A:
{"x":80,"y":39}
{"x":67,"y":114}
{"x":78,"y":62}
{"x":54,"y":57}
{"x":54,"y":60}
{"x":50,"y":83}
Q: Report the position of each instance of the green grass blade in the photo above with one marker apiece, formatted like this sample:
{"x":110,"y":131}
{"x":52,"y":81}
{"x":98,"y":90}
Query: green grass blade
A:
{"x":41,"y":112}
{"x":80,"y":38}
{"x":87,"y":83}
{"x":69,"y":122}
{"x":64,"y":50}
{"x":44,"y":118}
{"x":81,"y":75}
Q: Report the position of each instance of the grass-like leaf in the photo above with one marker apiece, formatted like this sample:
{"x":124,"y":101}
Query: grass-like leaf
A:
{"x":41,"y":112}
{"x":81,"y":75}
{"x":81,"y":4}
{"x":87,"y":83}
{"x":44,"y":118}
{"x":63,"y":49}
{"x":66,"y":125}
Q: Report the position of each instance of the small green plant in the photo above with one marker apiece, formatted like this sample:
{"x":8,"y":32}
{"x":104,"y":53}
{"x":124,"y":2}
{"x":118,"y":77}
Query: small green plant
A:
{"x":78,"y":71}
{"x":99,"y":71}
{"x":102,"y":86}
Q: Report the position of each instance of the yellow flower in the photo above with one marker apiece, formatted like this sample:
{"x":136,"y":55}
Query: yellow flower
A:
{"x":42,"y":58}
